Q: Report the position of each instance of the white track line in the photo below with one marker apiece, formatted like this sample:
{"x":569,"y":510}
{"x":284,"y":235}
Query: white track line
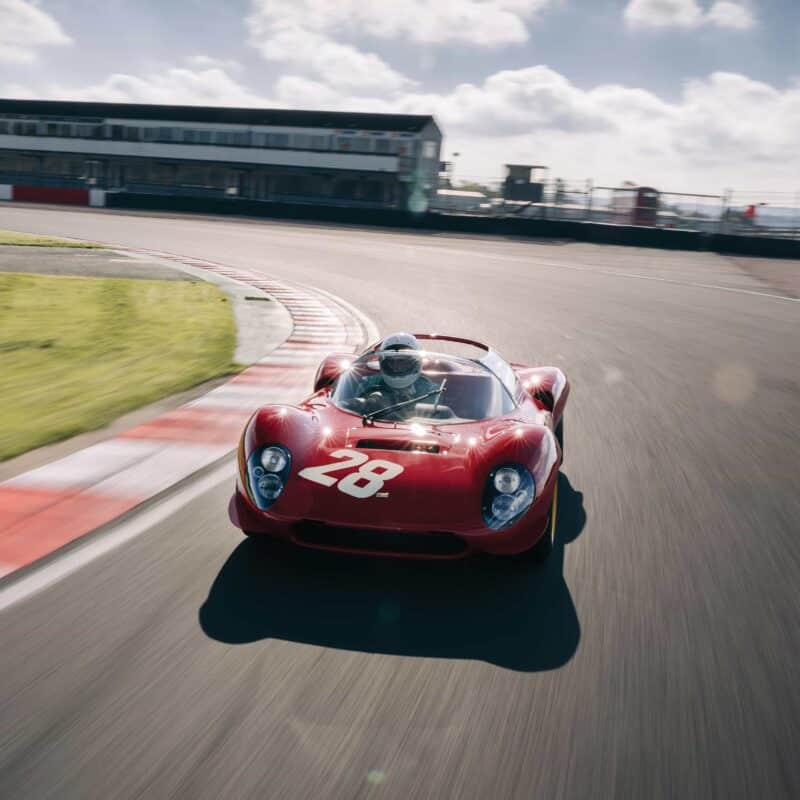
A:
{"x":674,"y":281}
{"x":533,"y":262}
{"x":370,"y":328}
{"x":96,"y":545}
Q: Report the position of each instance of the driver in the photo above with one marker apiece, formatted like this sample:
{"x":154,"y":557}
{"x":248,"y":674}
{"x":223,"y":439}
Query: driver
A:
{"x":401,"y":375}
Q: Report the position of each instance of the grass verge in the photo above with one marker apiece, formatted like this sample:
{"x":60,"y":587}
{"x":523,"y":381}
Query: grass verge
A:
{"x":75,"y":353}
{"x":34,"y":240}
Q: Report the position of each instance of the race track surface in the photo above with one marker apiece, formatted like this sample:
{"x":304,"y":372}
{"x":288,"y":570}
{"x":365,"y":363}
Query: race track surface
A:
{"x":654,"y":656}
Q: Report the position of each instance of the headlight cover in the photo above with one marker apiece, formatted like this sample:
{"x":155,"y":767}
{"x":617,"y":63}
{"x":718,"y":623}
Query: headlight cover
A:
{"x":508,"y":494}
{"x":267,"y":470}
{"x":274,"y":459}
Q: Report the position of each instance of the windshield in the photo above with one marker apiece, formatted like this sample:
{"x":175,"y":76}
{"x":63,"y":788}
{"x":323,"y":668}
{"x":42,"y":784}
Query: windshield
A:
{"x":441,"y":389}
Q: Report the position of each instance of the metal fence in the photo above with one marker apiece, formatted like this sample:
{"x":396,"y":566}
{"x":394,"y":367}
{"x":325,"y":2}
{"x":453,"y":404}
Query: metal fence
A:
{"x":740,"y":212}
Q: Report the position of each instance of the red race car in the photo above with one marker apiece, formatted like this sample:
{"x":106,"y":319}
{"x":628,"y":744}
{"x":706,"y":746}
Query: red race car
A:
{"x":411,"y":452}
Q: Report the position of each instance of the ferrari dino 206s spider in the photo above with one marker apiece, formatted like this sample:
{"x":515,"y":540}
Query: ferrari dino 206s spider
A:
{"x":409,"y":451}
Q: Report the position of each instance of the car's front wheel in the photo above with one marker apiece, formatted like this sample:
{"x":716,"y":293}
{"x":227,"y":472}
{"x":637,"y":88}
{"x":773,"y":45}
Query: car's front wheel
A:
{"x":540,"y":552}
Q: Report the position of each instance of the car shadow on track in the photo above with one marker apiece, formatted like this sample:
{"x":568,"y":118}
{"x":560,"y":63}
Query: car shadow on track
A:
{"x":499,"y":610}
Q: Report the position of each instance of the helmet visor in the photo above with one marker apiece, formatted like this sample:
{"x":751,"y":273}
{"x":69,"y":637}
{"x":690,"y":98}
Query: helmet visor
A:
{"x":399,"y":362}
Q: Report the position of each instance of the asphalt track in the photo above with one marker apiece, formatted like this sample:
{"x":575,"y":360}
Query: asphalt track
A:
{"x":656,"y":655}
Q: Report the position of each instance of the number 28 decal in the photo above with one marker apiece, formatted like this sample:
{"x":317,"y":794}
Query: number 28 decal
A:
{"x":368,"y":479}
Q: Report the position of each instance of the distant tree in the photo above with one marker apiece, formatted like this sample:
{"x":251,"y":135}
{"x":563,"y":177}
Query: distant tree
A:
{"x":474,"y":186}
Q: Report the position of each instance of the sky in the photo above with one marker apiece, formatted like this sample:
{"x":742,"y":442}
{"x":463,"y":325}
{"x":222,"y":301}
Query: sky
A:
{"x":683,"y":95}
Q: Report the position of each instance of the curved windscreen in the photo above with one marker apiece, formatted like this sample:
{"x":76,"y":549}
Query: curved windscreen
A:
{"x":437,"y":389}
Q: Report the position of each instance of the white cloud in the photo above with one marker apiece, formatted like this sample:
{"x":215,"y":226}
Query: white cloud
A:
{"x":687,"y":14}
{"x":172,"y":86}
{"x":24,"y":29}
{"x":300,"y":92}
{"x":731,"y":15}
{"x":663,"y":14}
{"x":312,"y":35}
{"x":513,"y":101}
{"x":478,"y":22}
{"x":209,"y":62}
{"x":729,"y":118}
{"x":339,"y":64}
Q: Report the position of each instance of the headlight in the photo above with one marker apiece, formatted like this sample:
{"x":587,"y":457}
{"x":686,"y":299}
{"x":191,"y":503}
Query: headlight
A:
{"x":274,"y":459}
{"x":506,"y":480}
{"x":508,"y":494}
{"x":267,"y":470}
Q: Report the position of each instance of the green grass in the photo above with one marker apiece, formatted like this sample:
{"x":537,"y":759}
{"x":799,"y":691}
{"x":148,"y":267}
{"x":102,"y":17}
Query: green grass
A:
{"x":34,"y":240}
{"x":75,"y":353}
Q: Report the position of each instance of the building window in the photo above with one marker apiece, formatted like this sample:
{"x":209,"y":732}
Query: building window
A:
{"x":361,"y":144}
{"x":429,"y":149}
{"x":165,"y":134}
{"x":382,"y":145}
{"x":189,"y":136}
{"x":320,"y":142}
{"x":19,"y":164}
{"x":132,"y":134}
{"x":62,"y":166}
{"x":149,"y":134}
{"x":94,"y":132}
{"x":231,"y":138}
{"x":279,"y":140}
{"x":204,"y":137}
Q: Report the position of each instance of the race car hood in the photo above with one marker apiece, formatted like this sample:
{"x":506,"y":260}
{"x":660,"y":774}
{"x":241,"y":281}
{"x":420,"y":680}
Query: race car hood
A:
{"x":390,"y":476}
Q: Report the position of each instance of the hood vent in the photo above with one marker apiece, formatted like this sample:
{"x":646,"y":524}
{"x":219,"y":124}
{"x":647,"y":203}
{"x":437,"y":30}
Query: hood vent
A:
{"x":397,"y":444}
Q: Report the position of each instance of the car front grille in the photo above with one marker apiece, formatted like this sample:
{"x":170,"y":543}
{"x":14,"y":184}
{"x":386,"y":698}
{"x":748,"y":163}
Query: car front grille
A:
{"x":334,"y":537}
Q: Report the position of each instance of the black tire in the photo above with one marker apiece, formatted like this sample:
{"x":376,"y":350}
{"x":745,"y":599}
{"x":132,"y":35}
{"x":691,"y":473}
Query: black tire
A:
{"x":540,"y":552}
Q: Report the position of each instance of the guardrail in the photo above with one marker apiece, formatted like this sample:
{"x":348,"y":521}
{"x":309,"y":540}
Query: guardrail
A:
{"x":735,"y":213}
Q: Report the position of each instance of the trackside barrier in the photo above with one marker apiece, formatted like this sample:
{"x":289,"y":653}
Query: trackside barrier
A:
{"x":51,"y":194}
{"x":61,"y":195}
{"x":600,"y":233}
{"x":97,"y":198}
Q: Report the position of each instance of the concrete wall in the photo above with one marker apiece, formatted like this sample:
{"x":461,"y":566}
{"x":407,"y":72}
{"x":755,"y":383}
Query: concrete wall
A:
{"x":390,"y":218}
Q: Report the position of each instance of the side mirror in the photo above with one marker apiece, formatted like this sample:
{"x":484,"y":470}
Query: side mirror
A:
{"x":330,"y":368}
{"x":547,"y":385}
